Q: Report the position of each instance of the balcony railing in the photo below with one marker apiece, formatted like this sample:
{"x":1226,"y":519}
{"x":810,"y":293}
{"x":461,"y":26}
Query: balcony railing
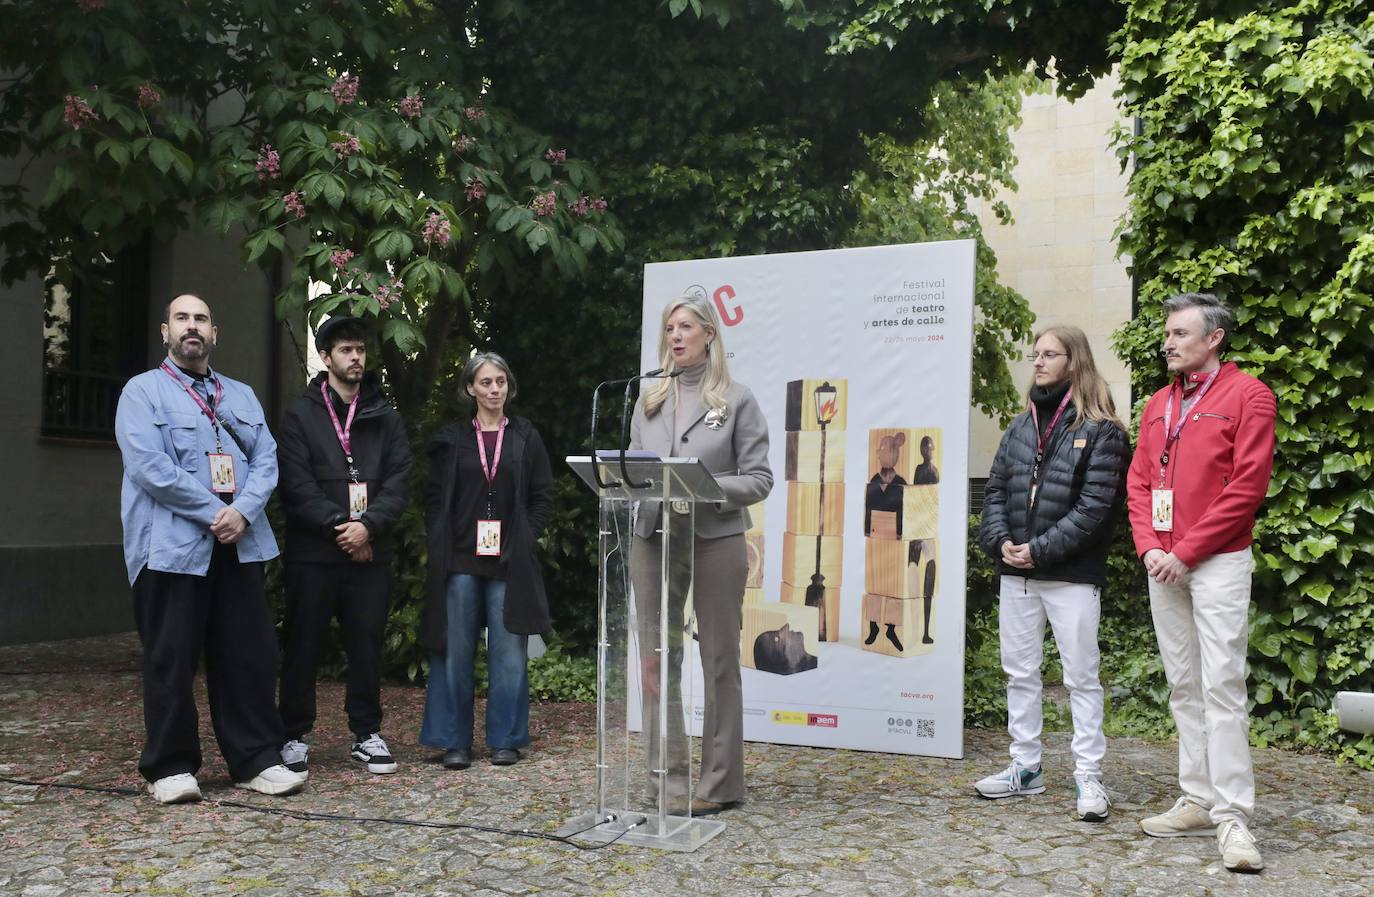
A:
{"x":80,"y":404}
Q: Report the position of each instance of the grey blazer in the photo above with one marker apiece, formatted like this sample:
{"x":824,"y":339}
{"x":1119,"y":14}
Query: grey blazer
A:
{"x":736,"y":454}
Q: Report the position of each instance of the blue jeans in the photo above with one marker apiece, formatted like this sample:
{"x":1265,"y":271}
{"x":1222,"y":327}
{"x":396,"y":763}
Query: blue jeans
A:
{"x":474,"y":602}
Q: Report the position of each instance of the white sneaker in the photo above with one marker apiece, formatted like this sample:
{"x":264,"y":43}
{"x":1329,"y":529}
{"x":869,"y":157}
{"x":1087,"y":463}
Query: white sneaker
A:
{"x":1092,"y":799}
{"x":181,"y":788}
{"x":1237,"y":846}
{"x":1184,"y":819}
{"x":275,"y":780}
{"x":295,"y":756}
{"x":1014,"y":781}
{"x":373,"y":751}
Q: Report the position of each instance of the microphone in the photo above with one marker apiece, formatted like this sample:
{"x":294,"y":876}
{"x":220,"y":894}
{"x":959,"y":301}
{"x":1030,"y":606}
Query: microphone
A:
{"x":596,"y":396}
{"x":655,"y":374}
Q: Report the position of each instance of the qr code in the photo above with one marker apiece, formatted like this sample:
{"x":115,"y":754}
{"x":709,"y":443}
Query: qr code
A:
{"x":925,"y":728}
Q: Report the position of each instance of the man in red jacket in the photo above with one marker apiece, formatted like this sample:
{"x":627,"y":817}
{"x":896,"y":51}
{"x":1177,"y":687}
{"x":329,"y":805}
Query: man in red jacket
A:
{"x":1201,"y":469}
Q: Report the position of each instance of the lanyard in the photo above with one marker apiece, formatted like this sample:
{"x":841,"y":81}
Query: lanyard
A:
{"x":209,"y":412}
{"x":343,"y":432}
{"x":1171,"y":436}
{"x":490,"y":471}
{"x":1043,"y":440}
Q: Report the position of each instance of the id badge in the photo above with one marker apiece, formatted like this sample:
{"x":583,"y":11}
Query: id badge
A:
{"x":488,"y":538}
{"x":221,"y":473}
{"x":357,"y":500}
{"x":1162,"y":510}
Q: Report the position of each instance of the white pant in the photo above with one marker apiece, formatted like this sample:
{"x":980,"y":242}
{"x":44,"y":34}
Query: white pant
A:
{"x":1203,"y":628}
{"x":1073,"y":610}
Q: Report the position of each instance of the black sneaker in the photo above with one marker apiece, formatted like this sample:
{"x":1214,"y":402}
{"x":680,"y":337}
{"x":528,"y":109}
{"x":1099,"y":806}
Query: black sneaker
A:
{"x":373,"y":751}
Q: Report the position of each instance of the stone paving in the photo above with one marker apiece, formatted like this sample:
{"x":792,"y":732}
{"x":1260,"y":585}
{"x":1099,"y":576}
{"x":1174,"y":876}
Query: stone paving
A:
{"x":817,"y":822}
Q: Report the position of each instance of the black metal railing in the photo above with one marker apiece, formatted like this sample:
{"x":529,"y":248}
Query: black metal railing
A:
{"x":80,"y":404}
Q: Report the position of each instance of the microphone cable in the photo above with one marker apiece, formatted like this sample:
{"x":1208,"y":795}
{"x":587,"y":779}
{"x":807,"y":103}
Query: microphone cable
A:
{"x":314,"y":816}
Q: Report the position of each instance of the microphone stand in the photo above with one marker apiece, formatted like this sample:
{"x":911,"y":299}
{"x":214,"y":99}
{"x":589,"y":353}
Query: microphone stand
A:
{"x":625,"y":423}
{"x":596,"y":396}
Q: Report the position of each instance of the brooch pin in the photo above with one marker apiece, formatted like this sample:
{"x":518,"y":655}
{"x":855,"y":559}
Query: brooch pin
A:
{"x":716,"y":417}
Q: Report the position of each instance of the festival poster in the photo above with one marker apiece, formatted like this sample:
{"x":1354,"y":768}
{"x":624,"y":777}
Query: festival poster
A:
{"x":853,"y":632}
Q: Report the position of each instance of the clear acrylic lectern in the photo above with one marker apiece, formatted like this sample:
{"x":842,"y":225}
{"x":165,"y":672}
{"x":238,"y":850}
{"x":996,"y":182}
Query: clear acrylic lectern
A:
{"x":644,"y":761}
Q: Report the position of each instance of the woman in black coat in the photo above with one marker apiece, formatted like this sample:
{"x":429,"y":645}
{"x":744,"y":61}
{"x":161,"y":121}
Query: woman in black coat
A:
{"x":1053,"y":495}
{"x":490,"y":496}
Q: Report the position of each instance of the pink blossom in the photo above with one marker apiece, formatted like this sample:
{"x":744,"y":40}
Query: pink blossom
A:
{"x":557,"y":157}
{"x":348,"y":146}
{"x":411,"y":107}
{"x":269,"y":163}
{"x":77,"y":112}
{"x":387,"y":293}
{"x":340,"y":258}
{"x":148,"y":96}
{"x":476,"y":190}
{"x":473,"y":113}
{"x":462,"y":143}
{"x":437,"y":230}
{"x":544,"y":204}
{"x":599,"y":204}
{"x":345,"y":89}
{"x":295,"y":203}
{"x":582,"y":207}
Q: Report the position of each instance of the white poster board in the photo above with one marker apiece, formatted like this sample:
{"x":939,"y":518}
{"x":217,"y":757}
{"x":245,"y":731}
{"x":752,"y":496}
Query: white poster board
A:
{"x":869,"y":566}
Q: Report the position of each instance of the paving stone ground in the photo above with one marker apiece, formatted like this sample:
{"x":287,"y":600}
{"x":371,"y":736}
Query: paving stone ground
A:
{"x":817,"y":821}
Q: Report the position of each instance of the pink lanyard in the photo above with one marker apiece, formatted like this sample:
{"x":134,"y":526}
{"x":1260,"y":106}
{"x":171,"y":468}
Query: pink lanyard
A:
{"x":343,"y":432}
{"x":206,"y":409}
{"x":490,"y":471}
{"x":1171,"y":437}
{"x":1042,"y":441}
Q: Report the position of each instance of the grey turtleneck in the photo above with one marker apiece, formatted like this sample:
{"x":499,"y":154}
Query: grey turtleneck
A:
{"x":688,"y":386}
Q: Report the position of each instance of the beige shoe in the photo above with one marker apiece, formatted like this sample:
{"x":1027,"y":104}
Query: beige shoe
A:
{"x":1237,"y":846}
{"x":1185,"y":819}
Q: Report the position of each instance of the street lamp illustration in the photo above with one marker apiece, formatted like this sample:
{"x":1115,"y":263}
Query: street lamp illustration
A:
{"x":826,"y":409}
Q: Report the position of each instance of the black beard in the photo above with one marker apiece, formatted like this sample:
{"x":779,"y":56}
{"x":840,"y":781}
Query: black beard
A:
{"x":190,"y":353}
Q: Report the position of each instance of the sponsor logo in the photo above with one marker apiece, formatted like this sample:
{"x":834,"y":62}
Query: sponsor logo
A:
{"x":823,"y":720}
{"x":789,"y":717}
{"x":731,"y":313}
{"x":797,"y":718}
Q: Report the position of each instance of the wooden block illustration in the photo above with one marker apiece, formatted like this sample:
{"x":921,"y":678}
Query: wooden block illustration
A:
{"x":901,"y":568}
{"x":913,"y":453}
{"x":807,"y":511}
{"x":753,"y":543}
{"x":778,"y":638}
{"x":920,"y":512}
{"x":799,"y":556}
{"x":894,"y":626}
{"x":883,"y":524}
{"x":753,"y":596}
{"x":755,"y":513}
{"x":803,"y":456}
{"x":801,"y":404}
{"x":829,"y":597}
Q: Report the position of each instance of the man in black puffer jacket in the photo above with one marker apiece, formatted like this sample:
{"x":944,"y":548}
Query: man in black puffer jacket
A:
{"x":1055,"y":490}
{"x":345,"y":466}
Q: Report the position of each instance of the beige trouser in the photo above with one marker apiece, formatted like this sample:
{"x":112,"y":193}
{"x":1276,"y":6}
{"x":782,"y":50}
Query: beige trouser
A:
{"x":1203,"y":631}
{"x":721,"y":568}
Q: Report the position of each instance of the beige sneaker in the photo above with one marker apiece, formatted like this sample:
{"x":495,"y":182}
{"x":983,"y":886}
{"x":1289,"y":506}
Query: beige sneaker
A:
{"x":1237,"y":846}
{"x":1185,"y":819}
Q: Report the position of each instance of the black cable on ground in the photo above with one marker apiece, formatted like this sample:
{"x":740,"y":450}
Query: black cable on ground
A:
{"x":311,"y":816}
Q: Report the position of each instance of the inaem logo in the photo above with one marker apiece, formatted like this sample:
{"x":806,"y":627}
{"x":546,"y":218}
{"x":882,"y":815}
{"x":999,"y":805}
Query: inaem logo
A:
{"x":723,"y":294}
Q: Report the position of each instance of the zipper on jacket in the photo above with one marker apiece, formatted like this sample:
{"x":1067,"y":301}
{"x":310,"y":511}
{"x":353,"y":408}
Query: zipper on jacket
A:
{"x":1202,"y":414}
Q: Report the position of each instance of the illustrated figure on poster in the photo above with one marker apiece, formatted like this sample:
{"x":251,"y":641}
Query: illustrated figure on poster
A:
{"x":702,"y":413}
{"x":782,"y":651}
{"x":920,"y":571}
{"x":927,"y":474}
{"x":884,"y":491}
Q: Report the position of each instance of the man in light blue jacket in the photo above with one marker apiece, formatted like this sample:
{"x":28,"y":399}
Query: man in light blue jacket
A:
{"x":199,"y":466}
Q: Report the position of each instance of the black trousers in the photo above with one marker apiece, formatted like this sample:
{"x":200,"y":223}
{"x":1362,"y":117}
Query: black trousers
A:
{"x":223,"y":615}
{"x":359,"y":595}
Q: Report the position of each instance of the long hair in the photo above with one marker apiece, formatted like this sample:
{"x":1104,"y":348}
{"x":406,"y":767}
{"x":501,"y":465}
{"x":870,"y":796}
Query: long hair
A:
{"x":1092,"y":400}
{"x":717,"y":381}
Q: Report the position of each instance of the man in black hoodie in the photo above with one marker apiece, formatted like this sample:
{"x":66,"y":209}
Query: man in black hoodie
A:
{"x":345,"y":462}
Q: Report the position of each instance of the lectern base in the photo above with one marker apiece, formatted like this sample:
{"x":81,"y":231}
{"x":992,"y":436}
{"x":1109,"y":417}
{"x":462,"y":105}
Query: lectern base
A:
{"x":679,"y":833}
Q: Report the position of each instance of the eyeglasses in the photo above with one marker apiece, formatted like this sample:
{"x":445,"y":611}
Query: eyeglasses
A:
{"x":1048,"y":356}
